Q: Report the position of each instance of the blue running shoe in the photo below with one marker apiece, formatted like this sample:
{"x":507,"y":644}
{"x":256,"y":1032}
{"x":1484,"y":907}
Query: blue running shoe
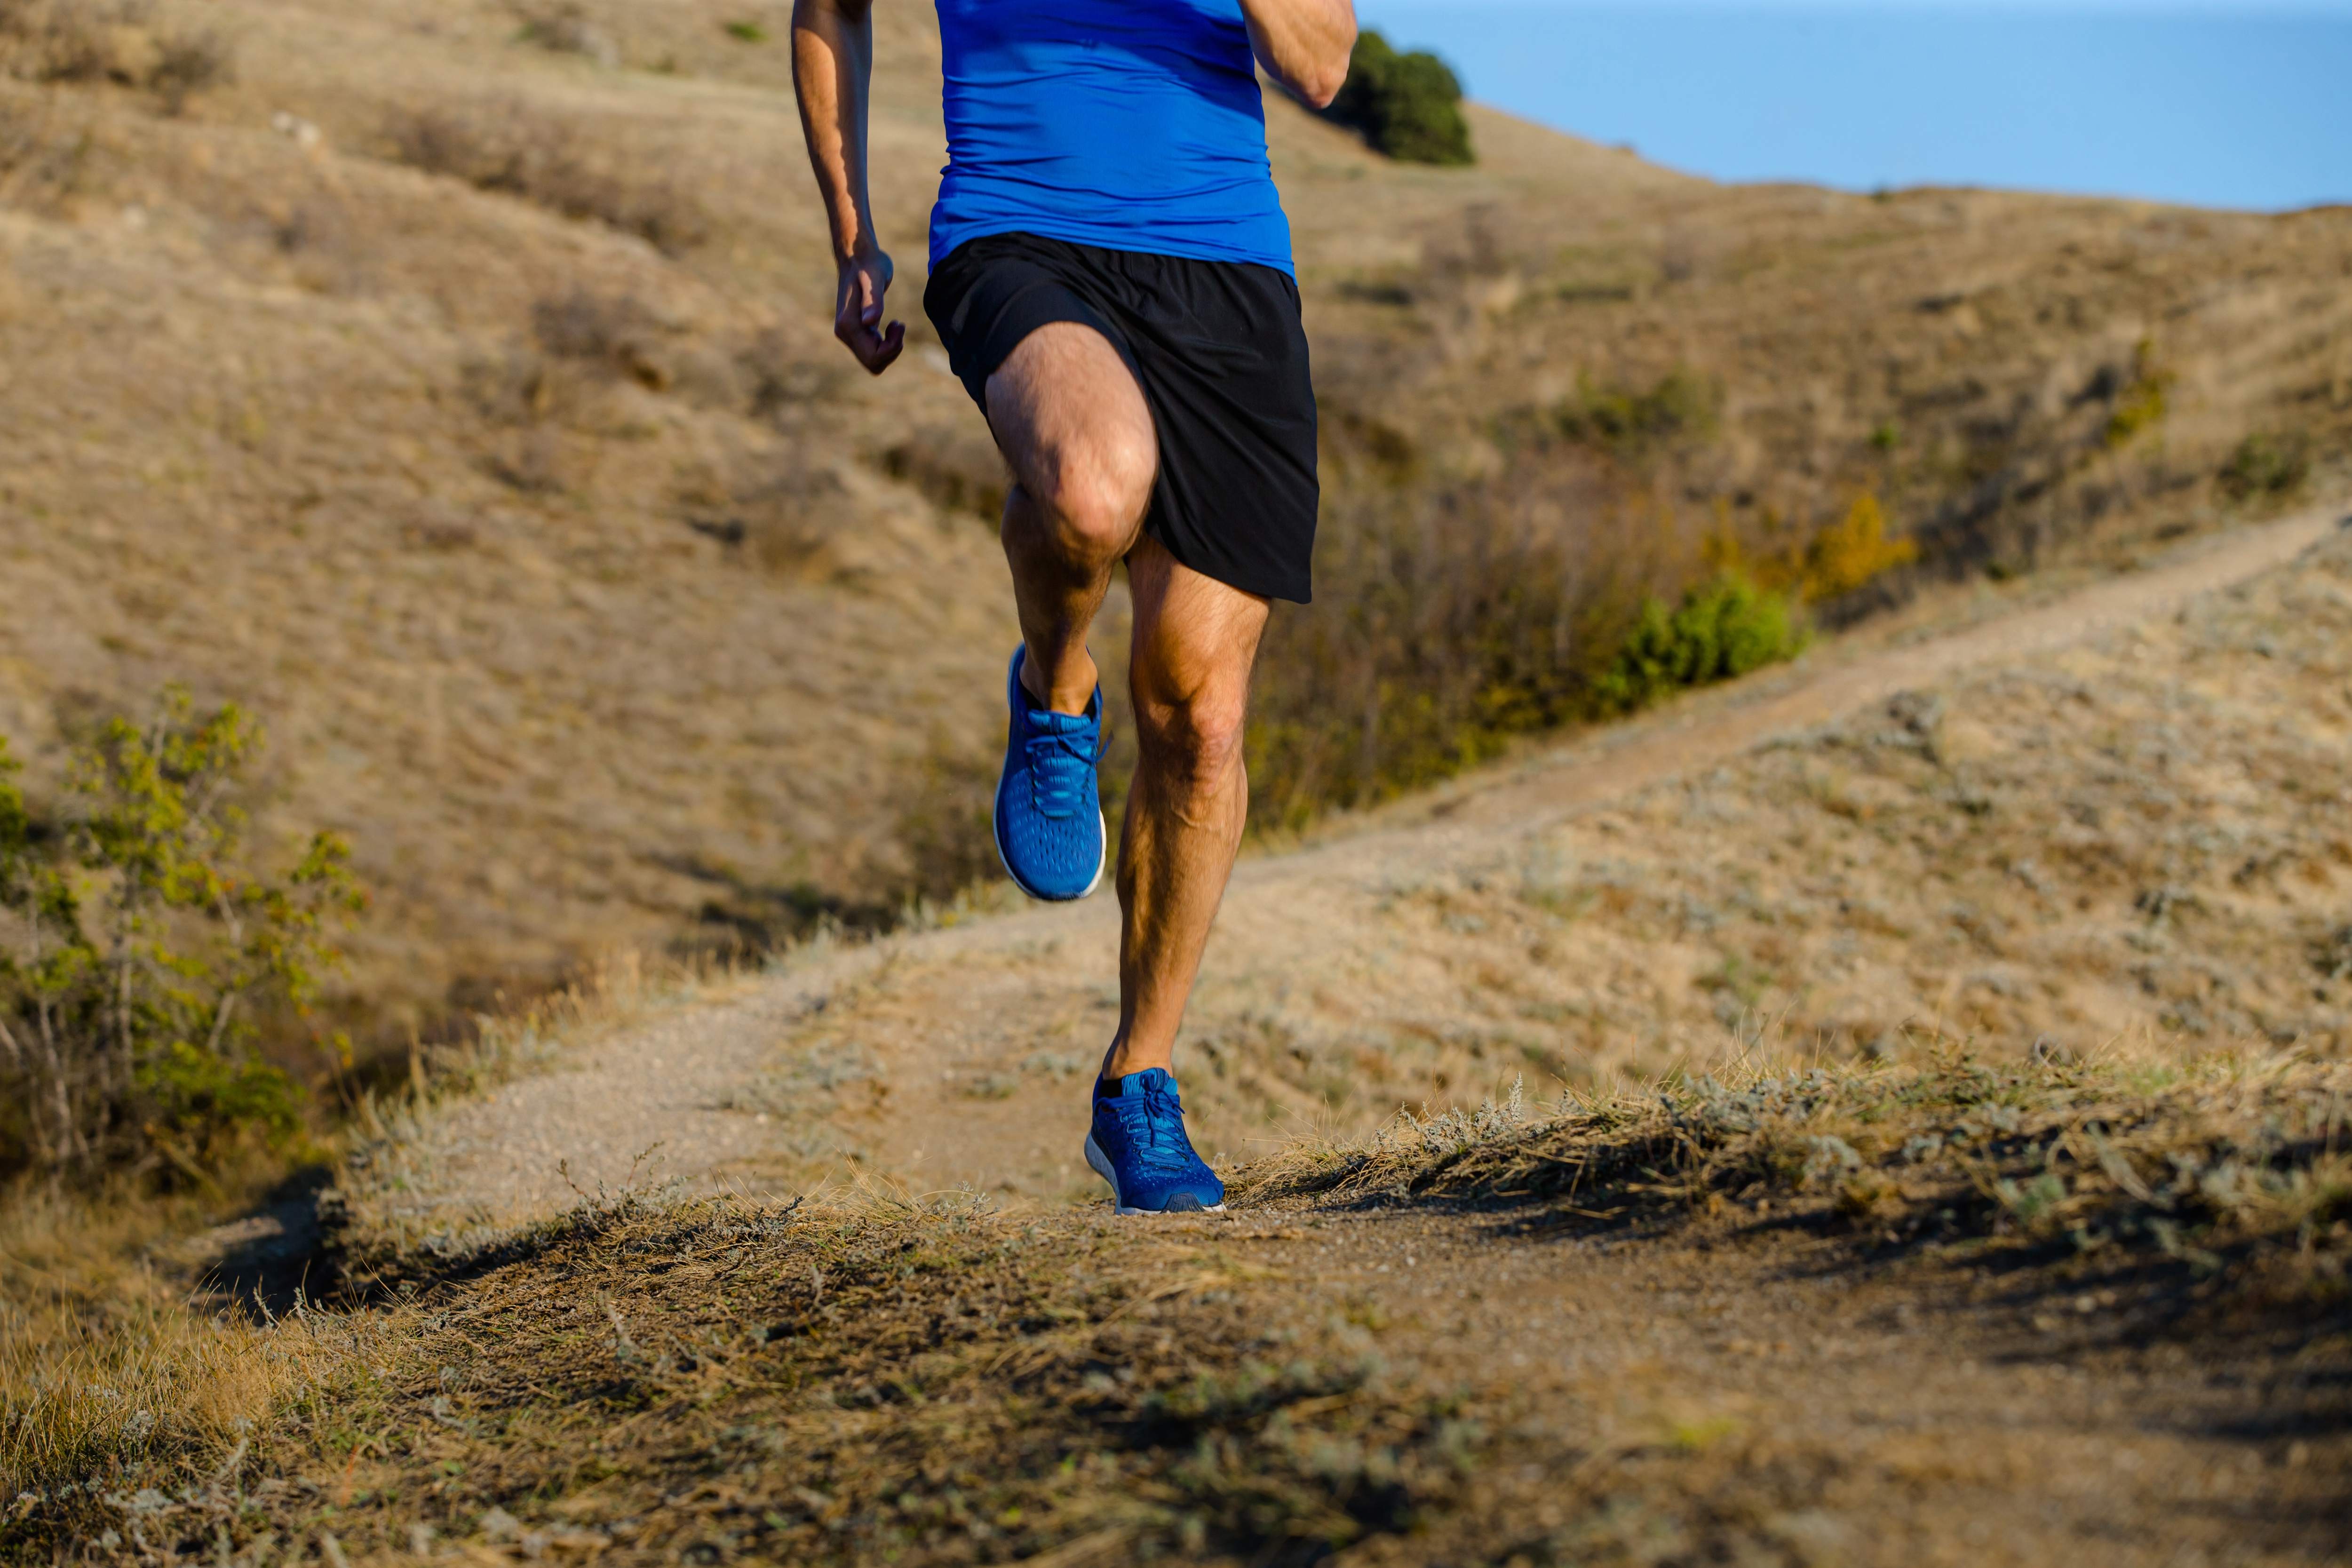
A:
{"x":1049,"y":821}
{"x":1139,"y":1146}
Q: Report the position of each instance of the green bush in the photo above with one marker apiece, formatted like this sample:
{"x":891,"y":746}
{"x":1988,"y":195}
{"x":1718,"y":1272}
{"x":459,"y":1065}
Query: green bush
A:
{"x":2267,"y":467}
{"x":138,"y":965}
{"x":1725,"y":628}
{"x":2142,"y":403}
{"x":1408,"y":106}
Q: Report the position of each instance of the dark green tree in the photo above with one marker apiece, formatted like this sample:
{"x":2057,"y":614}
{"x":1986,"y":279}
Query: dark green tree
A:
{"x":1407,"y":106}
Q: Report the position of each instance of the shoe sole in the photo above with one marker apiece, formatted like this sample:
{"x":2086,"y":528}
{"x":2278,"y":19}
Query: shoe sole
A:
{"x":1102,"y":859}
{"x":1101,"y":1163}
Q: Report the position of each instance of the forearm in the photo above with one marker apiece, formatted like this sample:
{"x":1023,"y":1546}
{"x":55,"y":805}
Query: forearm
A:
{"x":1304,"y":43}
{"x":832,"y":62}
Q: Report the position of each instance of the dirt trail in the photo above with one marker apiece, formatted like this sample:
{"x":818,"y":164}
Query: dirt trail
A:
{"x":962,"y":1051}
{"x":1757,"y":1376}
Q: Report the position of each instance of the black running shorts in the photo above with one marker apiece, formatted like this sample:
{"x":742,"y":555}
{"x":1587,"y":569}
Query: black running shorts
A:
{"x":1219,"y":351}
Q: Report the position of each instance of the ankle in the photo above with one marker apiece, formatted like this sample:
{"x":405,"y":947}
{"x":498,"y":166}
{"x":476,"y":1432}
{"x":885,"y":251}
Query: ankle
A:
{"x":1069,"y":690}
{"x":1118,"y":1063}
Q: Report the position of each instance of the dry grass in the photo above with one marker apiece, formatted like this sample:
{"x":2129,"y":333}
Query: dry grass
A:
{"x":868,"y":1378}
{"x":123,"y":1357}
{"x":891,"y":1375}
{"x":2235,"y":1168}
{"x":2139,"y":844}
{"x":2138,"y":841}
{"x":606,"y":592}
{"x":117,"y":1375}
{"x":506,"y":1037}
{"x":512,"y":149}
{"x":115,"y":41}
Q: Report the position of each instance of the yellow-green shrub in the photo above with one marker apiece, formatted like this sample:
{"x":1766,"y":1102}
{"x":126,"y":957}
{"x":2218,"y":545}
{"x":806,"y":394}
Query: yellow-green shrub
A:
{"x":1724,"y":628}
{"x":138,"y":961}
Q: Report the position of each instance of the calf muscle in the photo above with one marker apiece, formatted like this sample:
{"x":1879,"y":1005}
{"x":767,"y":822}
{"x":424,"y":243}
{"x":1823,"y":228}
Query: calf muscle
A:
{"x":1196,"y":641}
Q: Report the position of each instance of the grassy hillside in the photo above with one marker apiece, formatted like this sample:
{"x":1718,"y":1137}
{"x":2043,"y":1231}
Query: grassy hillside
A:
{"x":1921,"y":1134}
{"x":2131,"y":851}
{"x":449,"y":384}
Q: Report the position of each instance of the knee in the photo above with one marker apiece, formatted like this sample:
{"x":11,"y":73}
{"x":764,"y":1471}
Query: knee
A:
{"x":1094,"y":500}
{"x":1197,"y":739}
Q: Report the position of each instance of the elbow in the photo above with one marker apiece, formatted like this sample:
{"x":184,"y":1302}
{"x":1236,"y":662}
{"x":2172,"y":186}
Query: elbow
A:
{"x":1316,"y":89}
{"x":1322,"y":82}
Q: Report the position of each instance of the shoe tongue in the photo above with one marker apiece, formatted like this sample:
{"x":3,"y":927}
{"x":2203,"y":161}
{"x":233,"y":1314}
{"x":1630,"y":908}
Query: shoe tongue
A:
{"x":1054,"y":724}
{"x":1137,"y":1084}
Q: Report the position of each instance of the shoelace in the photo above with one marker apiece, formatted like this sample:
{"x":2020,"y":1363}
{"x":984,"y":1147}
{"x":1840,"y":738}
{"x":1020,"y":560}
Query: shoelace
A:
{"x":1059,"y":768}
{"x":1155,"y":1131}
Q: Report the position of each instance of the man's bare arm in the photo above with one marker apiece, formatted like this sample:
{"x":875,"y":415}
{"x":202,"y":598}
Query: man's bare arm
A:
{"x":832,"y":62}
{"x":1304,"y":43}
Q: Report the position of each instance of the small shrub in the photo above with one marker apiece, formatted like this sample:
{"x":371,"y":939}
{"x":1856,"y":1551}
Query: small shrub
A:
{"x":60,"y":41}
{"x":1852,"y":553}
{"x":1406,"y":106}
{"x":1842,"y":557}
{"x":2267,"y":467}
{"x":187,"y":63}
{"x":1725,"y":628}
{"x":2142,"y":402}
{"x":747,"y":32}
{"x":138,"y":964}
{"x":1631,"y":423}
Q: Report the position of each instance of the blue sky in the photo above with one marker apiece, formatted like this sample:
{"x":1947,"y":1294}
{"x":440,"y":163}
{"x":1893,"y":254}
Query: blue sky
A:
{"x":2231,"y":103}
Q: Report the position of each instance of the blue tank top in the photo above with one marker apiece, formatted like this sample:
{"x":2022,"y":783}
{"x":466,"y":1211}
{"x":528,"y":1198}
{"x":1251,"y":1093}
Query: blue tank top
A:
{"x":1129,"y":124}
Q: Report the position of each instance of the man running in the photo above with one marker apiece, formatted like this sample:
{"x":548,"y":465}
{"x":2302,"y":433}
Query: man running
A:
{"x":1110,"y":273}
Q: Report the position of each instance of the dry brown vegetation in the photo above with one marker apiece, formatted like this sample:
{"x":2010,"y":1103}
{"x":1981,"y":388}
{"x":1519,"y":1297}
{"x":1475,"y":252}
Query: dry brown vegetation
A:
{"x":2223,"y":1171}
{"x":1939,"y":1140}
{"x":114,"y":41}
{"x":108,"y":1370}
{"x":449,"y":384}
{"x":879,"y":1380}
{"x":2137,"y":841}
{"x":1794,"y":1275}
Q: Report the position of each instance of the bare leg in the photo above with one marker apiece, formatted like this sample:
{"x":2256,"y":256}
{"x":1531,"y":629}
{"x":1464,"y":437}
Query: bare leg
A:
{"x":1074,"y":424}
{"x":1195,"y":643}
{"x":1070,"y":419}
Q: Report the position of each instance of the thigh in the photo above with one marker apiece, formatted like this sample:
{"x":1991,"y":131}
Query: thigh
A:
{"x":1196,"y":639}
{"x":1067,"y":413}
